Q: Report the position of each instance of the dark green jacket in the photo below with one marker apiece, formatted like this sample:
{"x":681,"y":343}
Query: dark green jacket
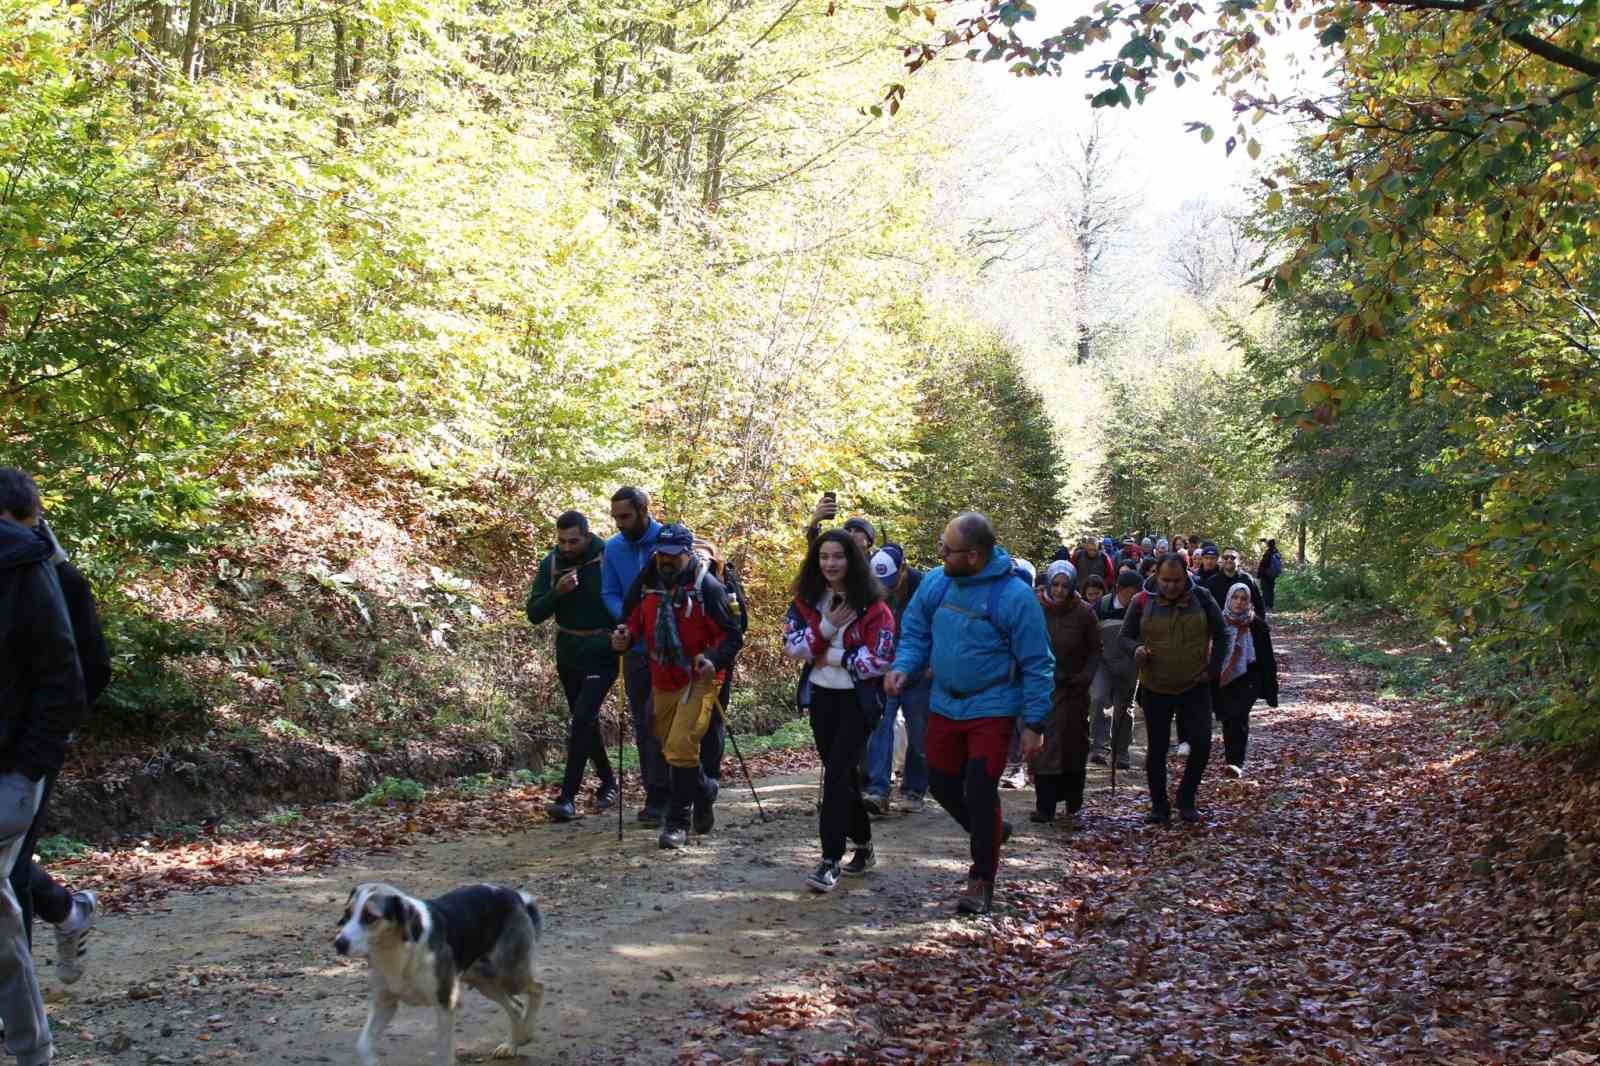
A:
{"x":580,"y":609}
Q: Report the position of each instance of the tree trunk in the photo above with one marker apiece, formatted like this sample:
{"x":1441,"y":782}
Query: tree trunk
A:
{"x":191,"y":39}
{"x":341,"y":82}
{"x":1302,"y":553}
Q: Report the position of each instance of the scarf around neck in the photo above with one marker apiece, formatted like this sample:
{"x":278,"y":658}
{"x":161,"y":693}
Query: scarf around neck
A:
{"x":674,"y":591}
{"x":1241,"y":644}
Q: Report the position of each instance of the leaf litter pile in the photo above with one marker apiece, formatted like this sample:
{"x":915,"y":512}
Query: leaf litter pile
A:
{"x":128,"y":877}
{"x":1379,"y":889}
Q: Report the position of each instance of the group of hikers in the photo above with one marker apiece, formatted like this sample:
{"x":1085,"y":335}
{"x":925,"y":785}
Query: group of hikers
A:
{"x":997,"y":669}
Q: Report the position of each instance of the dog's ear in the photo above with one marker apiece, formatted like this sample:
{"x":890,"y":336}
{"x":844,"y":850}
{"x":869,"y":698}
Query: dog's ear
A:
{"x":400,"y":911}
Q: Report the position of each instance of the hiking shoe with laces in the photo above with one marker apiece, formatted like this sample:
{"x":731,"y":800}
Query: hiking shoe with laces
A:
{"x":865,"y":858}
{"x":913,"y":802}
{"x":978,"y":898}
{"x":705,"y":813}
{"x":825,"y":878}
{"x":605,"y":797}
{"x":562,"y":811}
{"x":876,"y":804}
{"x":650,"y":816}
{"x":1098,"y":758}
{"x":72,"y":937}
{"x":672,"y":838}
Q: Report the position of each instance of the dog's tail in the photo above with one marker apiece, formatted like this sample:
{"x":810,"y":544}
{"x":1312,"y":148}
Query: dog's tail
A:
{"x":535,"y":915}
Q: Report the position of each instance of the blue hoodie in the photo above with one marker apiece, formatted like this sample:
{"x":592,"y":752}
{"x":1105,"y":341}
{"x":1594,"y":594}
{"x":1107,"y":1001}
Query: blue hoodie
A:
{"x":968,"y":654}
{"x":620,"y":565}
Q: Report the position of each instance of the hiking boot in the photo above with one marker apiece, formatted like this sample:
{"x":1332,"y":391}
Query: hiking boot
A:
{"x":825,"y":878}
{"x":705,"y":815}
{"x":913,"y":802}
{"x":72,"y":937}
{"x":1158,"y":818}
{"x":978,"y":898}
{"x":1190,"y":815}
{"x":1099,"y":758}
{"x":562,"y":810}
{"x":605,"y":797}
{"x":865,"y":858}
{"x":876,"y":804}
{"x":672,"y":838}
{"x":650,"y":816}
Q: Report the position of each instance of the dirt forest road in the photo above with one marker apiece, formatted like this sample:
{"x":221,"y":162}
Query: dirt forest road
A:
{"x":1330,"y":910}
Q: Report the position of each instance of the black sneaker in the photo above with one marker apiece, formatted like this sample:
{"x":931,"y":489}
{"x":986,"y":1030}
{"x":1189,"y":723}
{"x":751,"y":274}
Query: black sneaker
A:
{"x":650,"y":816}
{"x":605,"y":797}
{"x":1158,"y":818}
{"x":1123,"y":763}
{"x":1041,"y":817}
{"x":1098,"y":758}
{"x":672,"y":838}
{"x":825,"y":878}
{"x":1189,"y":814}
{"x":562,"y":811}
{"x":865,"y":858}
{"x":705,"y":814}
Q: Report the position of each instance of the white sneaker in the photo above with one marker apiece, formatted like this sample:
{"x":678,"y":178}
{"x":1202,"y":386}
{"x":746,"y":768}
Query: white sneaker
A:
{"x":1183,"y":749}
{"x":72,"y":938}
{"x":1236,"y":771}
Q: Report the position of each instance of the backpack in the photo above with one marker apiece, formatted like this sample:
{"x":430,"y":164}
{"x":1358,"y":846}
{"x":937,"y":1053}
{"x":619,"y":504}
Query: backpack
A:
{"x":991,"y":608}
{"x":1275,"y":564}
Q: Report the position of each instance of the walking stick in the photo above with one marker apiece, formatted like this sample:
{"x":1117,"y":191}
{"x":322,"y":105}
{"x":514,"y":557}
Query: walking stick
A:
{"x":622,"y":731}
{"x":734,"y":738}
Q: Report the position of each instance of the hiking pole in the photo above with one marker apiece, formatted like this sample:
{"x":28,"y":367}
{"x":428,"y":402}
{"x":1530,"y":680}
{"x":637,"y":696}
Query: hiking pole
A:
{"x":622,"y":731}
{"x":734,"y":738}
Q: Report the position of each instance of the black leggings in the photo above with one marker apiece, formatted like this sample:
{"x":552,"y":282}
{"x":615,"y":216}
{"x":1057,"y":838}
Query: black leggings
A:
{"x":839,"y":727}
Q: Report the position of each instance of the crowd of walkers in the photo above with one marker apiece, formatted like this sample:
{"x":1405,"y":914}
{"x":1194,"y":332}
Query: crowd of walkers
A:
{"x":993,"y":673}
{"x":999,"y":672}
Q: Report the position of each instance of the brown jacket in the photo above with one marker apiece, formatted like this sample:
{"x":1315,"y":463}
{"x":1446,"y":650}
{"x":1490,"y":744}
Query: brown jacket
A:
{"x":1075,"y":640}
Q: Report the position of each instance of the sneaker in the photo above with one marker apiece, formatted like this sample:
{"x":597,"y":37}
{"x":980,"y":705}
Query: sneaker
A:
{"x":672,"y":838}
{"x":913,"y":802}
{"x":1016,"y":777}
{"x":1189,"y":814}
{"x":1099,"y":759}
{"x":978,"y":898}
{"x":605,"y":797}
{"x":562,"y":811}
{"x":72,"y":937}
{"x":1236,"y":771}
{"x":865,"y":858}
{"x":876,"y":804}
{"x":1183,"y":749}
{"x":705,"y":814}
{"x":825,"y":878}
{"x":1158,"y":818}
{"x":650,"y":816}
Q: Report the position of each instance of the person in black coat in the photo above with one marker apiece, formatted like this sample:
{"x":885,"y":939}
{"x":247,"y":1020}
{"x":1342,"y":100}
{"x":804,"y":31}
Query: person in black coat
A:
{"x":1249,"y":673}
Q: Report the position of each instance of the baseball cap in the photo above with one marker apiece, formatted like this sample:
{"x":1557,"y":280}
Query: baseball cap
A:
{"x":1209,"y":551}
{"x":674,"y":539}
{"x":886,"y":564}
{"x":862,"y":524}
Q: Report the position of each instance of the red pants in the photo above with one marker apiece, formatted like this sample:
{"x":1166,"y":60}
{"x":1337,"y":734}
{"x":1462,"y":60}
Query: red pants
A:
{"x":965,"y":760}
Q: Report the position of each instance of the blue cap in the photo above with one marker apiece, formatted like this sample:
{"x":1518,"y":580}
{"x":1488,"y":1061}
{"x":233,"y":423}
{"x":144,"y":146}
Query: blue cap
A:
{"x":674,"y":539}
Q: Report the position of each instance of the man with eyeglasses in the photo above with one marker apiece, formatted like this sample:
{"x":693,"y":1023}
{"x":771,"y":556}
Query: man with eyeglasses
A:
{"x":983,"y":632}
{"x":1218,"y":579}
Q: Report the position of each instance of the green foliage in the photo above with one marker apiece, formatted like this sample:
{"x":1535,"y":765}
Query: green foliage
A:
{"x":60,"y":847}
{"x":151,"y":696}
{"x":393,"y":790}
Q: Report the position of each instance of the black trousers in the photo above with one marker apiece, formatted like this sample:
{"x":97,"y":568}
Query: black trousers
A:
{"x":839,"y":727}
{"x":1193,"y":710}
{"x":1268,"y":586}
{"x":715,"y":742}
{"x":37,"y":891}
{"x":586,"y":694}
{"x":1233,"y":705}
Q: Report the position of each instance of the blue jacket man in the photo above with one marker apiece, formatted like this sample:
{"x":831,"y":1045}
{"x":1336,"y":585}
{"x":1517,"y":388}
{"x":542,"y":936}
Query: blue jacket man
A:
{"x":982,"y":632}
{"x":625,"y":557}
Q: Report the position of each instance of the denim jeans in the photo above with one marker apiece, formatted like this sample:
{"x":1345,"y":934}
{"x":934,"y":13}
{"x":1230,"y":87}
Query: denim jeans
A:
{"x":913,"y":703}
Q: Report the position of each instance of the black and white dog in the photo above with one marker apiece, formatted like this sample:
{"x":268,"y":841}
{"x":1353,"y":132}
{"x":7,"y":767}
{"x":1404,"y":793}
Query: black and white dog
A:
{"x":422,"y":951}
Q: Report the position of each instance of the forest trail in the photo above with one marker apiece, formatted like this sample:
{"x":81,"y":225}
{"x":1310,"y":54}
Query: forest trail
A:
{"x":1329,"y":910}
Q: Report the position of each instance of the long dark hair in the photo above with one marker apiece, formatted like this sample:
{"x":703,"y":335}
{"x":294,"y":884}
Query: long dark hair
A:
{"x":861,"y":588}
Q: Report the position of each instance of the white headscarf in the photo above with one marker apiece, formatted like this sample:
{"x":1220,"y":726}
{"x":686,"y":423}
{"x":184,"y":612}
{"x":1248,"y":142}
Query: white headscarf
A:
{"x":1241,"y":650}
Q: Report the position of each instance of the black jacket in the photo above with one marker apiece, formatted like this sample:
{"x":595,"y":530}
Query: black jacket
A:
{"x":94,"y":658}
{"x":1217,"y":583}
{"x":42,"y":696}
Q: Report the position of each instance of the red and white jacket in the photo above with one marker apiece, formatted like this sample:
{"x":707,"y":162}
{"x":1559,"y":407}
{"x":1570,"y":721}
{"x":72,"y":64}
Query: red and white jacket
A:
{"x":869,"y":641}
